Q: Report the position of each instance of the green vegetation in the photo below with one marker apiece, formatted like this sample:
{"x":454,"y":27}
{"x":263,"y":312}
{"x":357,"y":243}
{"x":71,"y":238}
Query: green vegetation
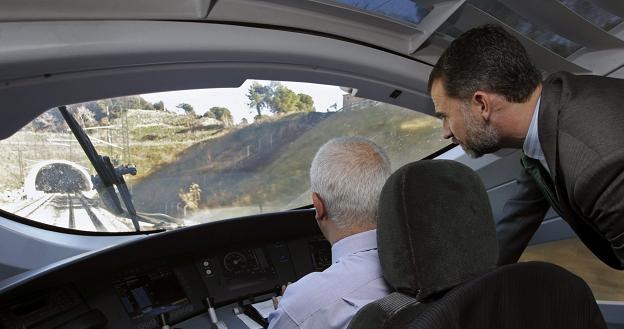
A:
{"x":188,"y":109}
{"x":278,"y":98}
{"x":265,"y":165}
{"x":259,"y":97}
{"x":220,"y":164}
{"x":24,"y":148}
{"x":146,"y":138}
{"x":222,"y":114}
{"x":156,"y":139}
{"x":405,"y":135}
{"x":206,"y":167}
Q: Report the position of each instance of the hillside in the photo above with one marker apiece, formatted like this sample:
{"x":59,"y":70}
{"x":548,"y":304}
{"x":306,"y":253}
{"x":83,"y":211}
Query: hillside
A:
{"x":144,"y":138}
{"x":405,"y":136}
{"x":223,"y":165}
{"x":197,"y":168}
{"x":264,"y":166}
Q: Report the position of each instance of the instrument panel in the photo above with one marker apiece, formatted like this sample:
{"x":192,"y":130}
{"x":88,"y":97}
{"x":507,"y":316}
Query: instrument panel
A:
{"x":150,"y":294}
{"x":176,"y":290}
{"x":246,"y":263}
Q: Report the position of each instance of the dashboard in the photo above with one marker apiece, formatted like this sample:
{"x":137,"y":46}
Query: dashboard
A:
{"x":171,"y":278}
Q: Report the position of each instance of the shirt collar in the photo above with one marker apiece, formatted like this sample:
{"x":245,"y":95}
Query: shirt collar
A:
{"x":531,"y":146}
{"x":353,"y":244}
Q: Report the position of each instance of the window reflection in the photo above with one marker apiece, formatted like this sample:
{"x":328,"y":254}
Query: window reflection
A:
{"x":593,"y":13}
{"x":606,"y":283}
{"x":403,"y":10}
{"x":523,"y":25}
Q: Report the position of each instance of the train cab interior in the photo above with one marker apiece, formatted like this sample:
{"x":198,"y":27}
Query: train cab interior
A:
{"x":156,"y":154}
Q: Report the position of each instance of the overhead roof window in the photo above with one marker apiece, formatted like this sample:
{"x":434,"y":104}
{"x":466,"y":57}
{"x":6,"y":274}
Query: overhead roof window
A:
{"x":556,"y":43}
{"x":593,"y":13}
{"x":406,"y":11}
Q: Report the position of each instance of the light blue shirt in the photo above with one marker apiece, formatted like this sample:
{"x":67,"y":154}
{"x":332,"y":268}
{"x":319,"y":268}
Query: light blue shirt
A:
{"x":532,"y":147}
{"x":329,"y":299}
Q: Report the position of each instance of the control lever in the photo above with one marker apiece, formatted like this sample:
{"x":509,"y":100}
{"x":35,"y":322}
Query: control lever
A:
{"x":164,"y":322}
{"x":216,"y":324}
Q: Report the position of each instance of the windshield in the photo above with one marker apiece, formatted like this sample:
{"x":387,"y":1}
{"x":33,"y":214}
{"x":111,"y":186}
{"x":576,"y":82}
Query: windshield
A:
{"x":200,"y":155}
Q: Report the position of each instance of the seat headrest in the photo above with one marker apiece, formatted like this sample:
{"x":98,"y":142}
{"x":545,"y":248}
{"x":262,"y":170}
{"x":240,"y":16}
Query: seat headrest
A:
{"x":435,"y":228}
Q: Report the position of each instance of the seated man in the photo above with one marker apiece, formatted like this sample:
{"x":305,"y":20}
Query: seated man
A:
{"x":347,"y":176}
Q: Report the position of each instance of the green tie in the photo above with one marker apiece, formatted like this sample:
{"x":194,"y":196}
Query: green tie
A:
{"x":542,"y":178}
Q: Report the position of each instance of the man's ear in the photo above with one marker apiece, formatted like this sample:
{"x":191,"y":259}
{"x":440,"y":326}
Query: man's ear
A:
{"x":482,"y":104}
{"x":319,"y":205}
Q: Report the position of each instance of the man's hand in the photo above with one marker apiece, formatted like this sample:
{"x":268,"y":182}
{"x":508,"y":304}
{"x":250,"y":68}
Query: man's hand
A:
{"x":275,"y":299}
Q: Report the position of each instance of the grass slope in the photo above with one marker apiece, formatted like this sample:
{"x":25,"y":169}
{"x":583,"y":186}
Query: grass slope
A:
{"x":266,"y":164}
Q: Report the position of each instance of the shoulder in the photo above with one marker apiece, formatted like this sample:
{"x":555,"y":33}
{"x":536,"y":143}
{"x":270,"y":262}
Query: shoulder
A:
{"x":315,"y":291}
{"x":584,"y":113}
{"x":592,"y":86}
{"x":308,"y":290}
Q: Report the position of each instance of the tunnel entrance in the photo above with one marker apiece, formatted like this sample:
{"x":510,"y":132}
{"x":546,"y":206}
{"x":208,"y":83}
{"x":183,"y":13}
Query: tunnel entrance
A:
{"x":61,"y":178}
{"x":56,"y":176}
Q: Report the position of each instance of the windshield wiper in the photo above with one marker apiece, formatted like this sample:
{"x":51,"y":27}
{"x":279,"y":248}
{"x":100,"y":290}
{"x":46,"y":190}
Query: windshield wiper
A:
{"x":107,"y":174}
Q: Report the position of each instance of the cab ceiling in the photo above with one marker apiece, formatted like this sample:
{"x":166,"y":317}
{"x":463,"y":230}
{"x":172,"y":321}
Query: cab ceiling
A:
{"x":325,"y":16}
{"x":601,"y":51}
{"x":47,"y":64}
{"x":51,"y":44}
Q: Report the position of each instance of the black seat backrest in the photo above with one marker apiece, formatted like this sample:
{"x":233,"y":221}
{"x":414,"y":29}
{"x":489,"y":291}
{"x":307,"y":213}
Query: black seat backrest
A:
{"x":438,"y":250}
{"x":532,"y":295}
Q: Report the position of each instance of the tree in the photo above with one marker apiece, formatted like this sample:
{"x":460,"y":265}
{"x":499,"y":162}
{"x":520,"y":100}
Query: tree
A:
{"x":142,"y":103}
{"x":159,"y":106}
{"x":305,"y":104}
{"x":48,"y":121}
{"x":278,"y":98}
{"x":84,"y":116}
{"x":129,"y":103}
{"x":188,"y":109}
{"x":222,"y":114}
{"x":191,"y":198}
{"x":284,"y":100}
{"x":259,"y":97}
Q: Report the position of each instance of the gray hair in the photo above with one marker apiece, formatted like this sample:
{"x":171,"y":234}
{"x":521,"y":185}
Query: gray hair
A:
{"x":349,"y":173}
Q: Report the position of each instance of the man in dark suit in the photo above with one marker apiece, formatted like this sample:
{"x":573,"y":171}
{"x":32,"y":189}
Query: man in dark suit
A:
{"x":570,"y":129}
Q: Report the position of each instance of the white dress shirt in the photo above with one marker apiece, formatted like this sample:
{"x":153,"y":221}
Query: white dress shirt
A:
{"x":532,"y":147}
{"x":329,"y":299}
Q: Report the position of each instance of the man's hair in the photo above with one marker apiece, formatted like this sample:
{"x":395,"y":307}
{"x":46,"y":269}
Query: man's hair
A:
{"x":349,"y":173}
{"x":486,"y":58}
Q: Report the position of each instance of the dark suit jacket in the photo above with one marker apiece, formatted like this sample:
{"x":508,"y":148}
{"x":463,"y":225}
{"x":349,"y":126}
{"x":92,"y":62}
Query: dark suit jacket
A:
{"x":581,"y":131}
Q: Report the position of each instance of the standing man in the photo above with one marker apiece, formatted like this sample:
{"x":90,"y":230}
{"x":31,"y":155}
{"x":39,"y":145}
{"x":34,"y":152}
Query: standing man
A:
{"x":570,"y":129}
{"x":346,"y":176}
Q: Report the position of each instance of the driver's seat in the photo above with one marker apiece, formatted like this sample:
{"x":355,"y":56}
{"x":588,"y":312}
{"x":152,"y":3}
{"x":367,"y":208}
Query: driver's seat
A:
{"x":438,"y":250}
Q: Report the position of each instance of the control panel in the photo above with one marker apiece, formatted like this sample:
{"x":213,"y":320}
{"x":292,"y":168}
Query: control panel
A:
{"x":233,"y":285}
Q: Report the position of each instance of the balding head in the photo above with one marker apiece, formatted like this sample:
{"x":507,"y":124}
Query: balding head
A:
{"x":349,"y":173}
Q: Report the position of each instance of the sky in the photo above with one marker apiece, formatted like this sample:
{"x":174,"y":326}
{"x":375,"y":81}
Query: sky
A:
{"x":235,"y":100}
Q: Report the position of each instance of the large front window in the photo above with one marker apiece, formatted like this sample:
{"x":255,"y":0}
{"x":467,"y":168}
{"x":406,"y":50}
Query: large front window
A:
{"x":200,"y":155}
{"x":606,"y":283}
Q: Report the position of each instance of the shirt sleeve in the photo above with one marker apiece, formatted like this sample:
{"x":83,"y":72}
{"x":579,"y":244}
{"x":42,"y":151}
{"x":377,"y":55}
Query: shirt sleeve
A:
{"x":279,"y":319}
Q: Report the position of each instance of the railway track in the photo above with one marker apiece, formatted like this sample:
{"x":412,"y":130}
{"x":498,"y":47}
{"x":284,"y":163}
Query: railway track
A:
{"x":72,"y":210}
{"x":29,"y":208}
